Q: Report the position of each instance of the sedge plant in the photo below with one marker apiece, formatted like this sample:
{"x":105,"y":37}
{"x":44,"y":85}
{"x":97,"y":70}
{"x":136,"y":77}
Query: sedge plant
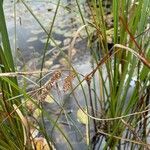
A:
{"x":125,"y":90}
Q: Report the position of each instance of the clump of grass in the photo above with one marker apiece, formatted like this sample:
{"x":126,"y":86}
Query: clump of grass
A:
{"x":12,"y":128}
{"x":126,"y":61}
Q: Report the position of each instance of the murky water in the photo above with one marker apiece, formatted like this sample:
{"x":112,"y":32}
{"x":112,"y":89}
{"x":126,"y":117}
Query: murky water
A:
{"x":28,"y":40}
{"x":26,"y":35}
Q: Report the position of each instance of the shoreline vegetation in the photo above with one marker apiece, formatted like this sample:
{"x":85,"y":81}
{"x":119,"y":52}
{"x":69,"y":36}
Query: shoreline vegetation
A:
{"x":88,"y":90}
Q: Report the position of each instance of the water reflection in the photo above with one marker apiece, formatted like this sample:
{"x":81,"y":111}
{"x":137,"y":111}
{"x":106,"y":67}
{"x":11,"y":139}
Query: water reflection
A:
{"x":30,"y":37}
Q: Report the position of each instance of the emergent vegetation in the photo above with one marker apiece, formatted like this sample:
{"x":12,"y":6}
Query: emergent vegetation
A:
{"x":117,"y":97}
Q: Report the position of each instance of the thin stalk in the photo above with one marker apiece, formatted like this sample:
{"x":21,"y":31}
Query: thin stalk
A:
{"x":48,"y":38}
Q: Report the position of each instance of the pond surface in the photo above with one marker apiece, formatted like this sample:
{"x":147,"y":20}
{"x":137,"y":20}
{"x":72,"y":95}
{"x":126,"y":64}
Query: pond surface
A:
{"x":27,"y":36}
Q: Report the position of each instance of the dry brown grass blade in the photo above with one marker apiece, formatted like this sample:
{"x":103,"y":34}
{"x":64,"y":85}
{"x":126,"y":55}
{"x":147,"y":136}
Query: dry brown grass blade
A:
{"x":14,"y":74}
{"x":24,"y":122}
{"x":141,"y":56}
{"x":73,"y":42}
{"x":130,"y":34}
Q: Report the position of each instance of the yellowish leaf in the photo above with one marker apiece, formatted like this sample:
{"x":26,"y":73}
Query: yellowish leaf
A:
{"x":82,"y":117}
{"x":41,"y":144}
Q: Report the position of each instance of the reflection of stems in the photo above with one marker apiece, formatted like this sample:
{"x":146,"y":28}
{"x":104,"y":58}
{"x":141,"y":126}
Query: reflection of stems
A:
{"x":91,"y":104}
{"x":43,"y":124}
{"x":56,"y":122}
{"x":132,"y":130}
{"x":145,"y":122}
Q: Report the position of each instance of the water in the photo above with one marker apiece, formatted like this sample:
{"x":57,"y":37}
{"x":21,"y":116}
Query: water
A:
{"x":28,"y":40}
{"x":30,"y":37}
